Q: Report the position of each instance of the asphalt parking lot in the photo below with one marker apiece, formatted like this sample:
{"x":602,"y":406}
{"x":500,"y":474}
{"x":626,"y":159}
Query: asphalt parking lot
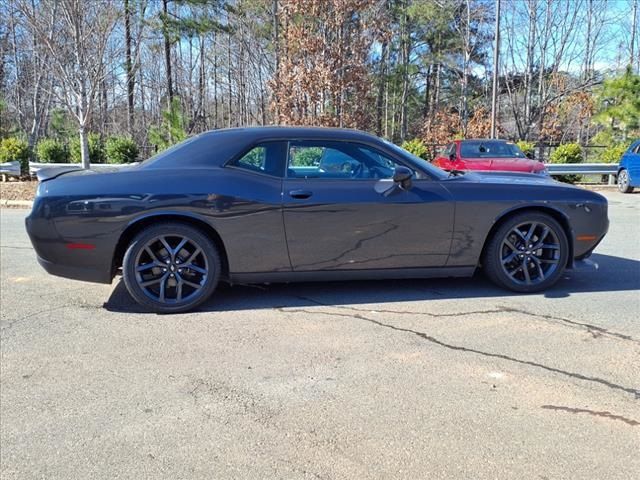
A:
{"x":402,"y":379}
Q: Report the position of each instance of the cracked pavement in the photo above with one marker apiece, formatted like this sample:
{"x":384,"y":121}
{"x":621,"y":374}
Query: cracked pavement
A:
{"x":396,"y":379}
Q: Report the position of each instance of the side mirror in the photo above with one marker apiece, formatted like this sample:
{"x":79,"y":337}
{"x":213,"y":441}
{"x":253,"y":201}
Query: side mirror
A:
{"x":402,"y":176}
{"x":452,"y":157}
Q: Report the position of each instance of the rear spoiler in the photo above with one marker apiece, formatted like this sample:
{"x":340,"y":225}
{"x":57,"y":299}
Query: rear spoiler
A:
{"x":45,"y":174}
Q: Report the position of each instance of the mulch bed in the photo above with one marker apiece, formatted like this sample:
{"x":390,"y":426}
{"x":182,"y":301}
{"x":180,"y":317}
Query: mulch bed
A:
{"x":18,"y":190}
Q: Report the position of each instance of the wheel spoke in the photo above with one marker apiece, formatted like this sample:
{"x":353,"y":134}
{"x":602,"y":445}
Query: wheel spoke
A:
{"x":195,"y":268}
{"x":525,"y":270}
{"x":153,"y":281}
{"x":549,"y":246}
{"x":509,"y":258}
{"x":163,"y":285}
{"x":179,"y":290}
{"x":540,"y":271}
{"x":151,"y":254}
{"x":197,"y":286}
{"x":530,"y":233}
{"x":509,"y":244}
{"x":193,"y":256}
{"x":543,"y":235}
{"x":166,"y":246}
{"x":176,"y":250}
{"x":520,"y":234}
{"x":147,"y":266}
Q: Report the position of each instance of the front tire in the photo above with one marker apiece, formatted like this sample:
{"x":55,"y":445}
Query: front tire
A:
{"x":171,"y":268}
{"x":527,"y":253}
{"x":624,"y":182}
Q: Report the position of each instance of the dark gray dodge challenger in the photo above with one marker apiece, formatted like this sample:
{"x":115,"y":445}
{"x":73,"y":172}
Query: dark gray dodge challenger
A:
{"x":277,"y":204}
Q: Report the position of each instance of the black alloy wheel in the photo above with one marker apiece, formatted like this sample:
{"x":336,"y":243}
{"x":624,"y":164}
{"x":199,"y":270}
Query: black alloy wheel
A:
{"x":528,"y":253}
{"x":171,"y":268}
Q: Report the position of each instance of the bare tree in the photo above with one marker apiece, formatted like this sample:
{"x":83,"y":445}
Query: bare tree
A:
{"x":75,"y":34}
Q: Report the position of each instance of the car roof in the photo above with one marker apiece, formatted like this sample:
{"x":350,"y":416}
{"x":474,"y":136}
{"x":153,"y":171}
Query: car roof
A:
{"x":280,"y":131}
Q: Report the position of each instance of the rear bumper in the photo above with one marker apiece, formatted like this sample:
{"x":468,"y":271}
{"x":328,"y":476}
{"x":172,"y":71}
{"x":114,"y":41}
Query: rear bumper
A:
{"x":75,"y":273}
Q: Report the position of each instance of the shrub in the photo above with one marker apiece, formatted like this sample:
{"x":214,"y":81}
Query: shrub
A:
{"x":121,"y":150}
{"x":96,"y":149}
{"x":528,"y":148}
{"x":567,"y":153}
{"x":50,"y":150}
{"x":417,"y":147}
{"x":12,"y":149}
{"x":613,"y":154}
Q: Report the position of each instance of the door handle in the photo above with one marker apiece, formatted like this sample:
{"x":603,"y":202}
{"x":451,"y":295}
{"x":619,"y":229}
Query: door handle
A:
{"x":301,"y":194}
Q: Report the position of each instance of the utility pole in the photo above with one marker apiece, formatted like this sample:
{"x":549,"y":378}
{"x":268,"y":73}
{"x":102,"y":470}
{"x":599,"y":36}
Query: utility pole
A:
{"x":496,"y":55}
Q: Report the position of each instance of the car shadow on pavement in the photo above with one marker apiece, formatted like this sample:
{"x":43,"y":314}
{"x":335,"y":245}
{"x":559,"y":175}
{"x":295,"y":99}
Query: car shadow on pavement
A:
{"x":614,"y":274}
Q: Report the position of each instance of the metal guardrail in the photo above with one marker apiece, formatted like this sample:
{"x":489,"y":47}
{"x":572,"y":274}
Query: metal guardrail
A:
{"x":582,"y":168}
{"x":10,"y":168}
{"x":34,"y":167}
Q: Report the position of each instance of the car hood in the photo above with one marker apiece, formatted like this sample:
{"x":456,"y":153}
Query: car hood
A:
{"x":511,"y":178}
{"x":507,"y":164}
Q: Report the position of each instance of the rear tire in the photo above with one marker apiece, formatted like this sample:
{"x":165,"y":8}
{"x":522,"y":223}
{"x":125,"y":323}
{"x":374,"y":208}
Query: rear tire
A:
{"x":527,"y":253}
{"x":171,"y":268}
{"x":624,"y":182}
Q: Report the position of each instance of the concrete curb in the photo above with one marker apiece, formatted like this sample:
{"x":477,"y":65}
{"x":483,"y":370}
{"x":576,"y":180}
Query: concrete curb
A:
{"x":16,"y":203}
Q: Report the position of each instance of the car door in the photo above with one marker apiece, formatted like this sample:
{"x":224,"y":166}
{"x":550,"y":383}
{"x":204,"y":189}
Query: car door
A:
{"x":633,"y":164}
{"x":355,"y":217}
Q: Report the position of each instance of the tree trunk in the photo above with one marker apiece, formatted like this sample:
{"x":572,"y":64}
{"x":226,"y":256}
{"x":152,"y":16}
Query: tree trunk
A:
{"x":427,"y":93}
{"x":382,"y":81}
{"x":129,"y":67}
{"x":202,"y":84}
{"x":533,"y":8}
{"x":405,"y":47}
{"x":167,"y":53}
{"x":84,"y":148}
{"x":634,"y":26}
{"x":229,"y":77}
{"x":465,"y":69}
{"x":276,"y":74}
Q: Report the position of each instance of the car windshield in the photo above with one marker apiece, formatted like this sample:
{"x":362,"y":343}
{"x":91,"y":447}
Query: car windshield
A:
{"x":490,"y":149}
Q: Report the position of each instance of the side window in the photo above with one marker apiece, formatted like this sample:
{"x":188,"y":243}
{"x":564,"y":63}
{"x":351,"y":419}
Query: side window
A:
{"x":637,"y":149}
{"x":254,"y":159}
{"x":267,"y":158}
{"x":337,"y":160}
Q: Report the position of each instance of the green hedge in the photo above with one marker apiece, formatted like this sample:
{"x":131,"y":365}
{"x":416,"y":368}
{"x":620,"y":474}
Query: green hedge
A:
{"x":614,"y":153}
{"x":528,"y":148}
{"x":50,"y":150}
{"x":417,"y":147}
{"x":96,"y":149}
{"x":567,"y":153}
{"x":15,"y":149}
{"x":121,"y":150}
